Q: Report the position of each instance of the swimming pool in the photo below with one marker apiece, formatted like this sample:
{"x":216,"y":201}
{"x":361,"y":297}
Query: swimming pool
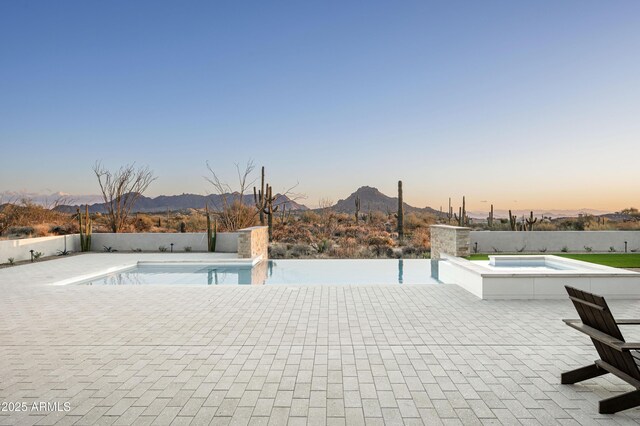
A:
{"x":276,"y":272}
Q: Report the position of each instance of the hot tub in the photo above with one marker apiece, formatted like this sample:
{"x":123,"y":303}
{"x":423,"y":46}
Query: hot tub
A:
{"x":536,"y":277}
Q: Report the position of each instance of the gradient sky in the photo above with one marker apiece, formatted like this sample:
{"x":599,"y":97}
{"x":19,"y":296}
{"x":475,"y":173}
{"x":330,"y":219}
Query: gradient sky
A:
{"x":522,"y":104}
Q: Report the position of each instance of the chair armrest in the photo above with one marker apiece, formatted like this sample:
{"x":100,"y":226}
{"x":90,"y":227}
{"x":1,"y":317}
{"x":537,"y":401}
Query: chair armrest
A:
{"x":599,"y":335}
{"x":630,"y":346}
{"x":628,"y":322}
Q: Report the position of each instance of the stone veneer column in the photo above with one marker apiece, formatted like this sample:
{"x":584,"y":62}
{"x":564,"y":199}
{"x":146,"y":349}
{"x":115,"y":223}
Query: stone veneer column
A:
{"x":451,"y":240}
{"x":253,"y":242}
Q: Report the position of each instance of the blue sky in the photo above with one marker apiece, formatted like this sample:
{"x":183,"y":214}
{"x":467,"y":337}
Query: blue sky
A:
{"x":523,"y":104}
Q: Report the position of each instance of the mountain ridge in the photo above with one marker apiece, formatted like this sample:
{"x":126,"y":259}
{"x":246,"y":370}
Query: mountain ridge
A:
{"x":180,"y":202}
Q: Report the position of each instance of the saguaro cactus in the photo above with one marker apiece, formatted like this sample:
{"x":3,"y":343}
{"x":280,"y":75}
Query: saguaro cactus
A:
{"x":270,"y":209}
{"x":212,"y":234}
{"x":259,"y":198}
{"x":400,"y":212}
{"x":462,"y":218}
{"x":512,"y":221}
{"x":85,"y":233}
{"x":450,"y":212}
{"x":490,"y":218}
{"x":264,"y":199}
{"x":530,"y":222}
{"x":357,"y":202}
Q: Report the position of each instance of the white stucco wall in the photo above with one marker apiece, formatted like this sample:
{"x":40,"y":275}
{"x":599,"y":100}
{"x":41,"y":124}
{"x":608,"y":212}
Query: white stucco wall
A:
{"x":19,"y":249}
{"x":553,"y":241}
{"x":227,"y":242}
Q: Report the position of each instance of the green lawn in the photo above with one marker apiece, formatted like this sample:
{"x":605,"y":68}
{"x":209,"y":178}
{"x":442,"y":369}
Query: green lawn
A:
{"x":617,"y":260}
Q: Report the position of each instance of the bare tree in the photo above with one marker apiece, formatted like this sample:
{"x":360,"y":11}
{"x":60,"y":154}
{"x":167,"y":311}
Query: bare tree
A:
{"x":120,"y":191}
{"x":328,"y":218}
{"x":59,"y":200}
{"x":239,"y":210}
{"x":234,"y":214}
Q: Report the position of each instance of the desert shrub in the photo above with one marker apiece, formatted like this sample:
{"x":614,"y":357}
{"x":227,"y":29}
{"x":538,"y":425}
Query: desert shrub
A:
{"x":421,"y":238}
{"x":277,"y":251}
{"x":350,"y":232}
{"x":292,"y":233}
{"x":322,"y":246}
{"x":409,"y":250}
{"x":64,"y":229}
{"x":343,"y":217}
{"x":384,"y":240}
{"x":196,"y":222}
{"x":545,"y":226}
{"x":626,"y":226}
{"x":412,"y":221}
{"x":143,"y":223}
{"x":21,"y":230}
{"x":382,"y":251}
{"x":343,"y":248}
{"x":375,"y":217}
{"x":415,"y":251}
{"x":41,"y":230}
{"x":301,"y":250}
{"x":365,"y":253}
{"x":310,"y":217}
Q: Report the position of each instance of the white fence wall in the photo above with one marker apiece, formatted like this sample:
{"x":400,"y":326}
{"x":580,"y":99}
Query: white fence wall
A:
{"x":227,"y":242}
{"x":554,"y":241}
{"x":49,"y":246}
{"x":18,"y":249}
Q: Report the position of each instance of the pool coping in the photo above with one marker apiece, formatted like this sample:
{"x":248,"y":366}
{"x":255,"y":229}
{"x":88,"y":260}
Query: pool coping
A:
{"x":123,"y":267}
{"x":594,"y":270}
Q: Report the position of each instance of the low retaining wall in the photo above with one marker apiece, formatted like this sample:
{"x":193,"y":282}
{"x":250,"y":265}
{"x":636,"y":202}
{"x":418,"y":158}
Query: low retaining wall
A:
{"x":49,"y":246}
{"x":227,"y":242}
{"x":553,"y":241}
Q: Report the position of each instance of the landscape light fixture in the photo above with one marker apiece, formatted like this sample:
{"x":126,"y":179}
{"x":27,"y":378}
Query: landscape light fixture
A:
{"x":31,"y":251}
{"x":171,"y":247}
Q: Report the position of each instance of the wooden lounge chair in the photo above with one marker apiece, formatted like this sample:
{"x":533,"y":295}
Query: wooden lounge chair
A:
{"x":616,"y":356}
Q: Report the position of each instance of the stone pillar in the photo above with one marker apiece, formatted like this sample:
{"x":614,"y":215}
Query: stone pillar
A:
{"x":451,"y":240}
{"x":253,"y":242}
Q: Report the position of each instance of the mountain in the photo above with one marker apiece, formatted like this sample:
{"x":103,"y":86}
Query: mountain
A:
{"x":372,"y":199}
{"x":163,"y":203}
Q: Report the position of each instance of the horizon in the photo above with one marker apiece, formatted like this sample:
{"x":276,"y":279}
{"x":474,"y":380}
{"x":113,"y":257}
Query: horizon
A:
{"x":524,"y":106}
{"x":91,"y":199}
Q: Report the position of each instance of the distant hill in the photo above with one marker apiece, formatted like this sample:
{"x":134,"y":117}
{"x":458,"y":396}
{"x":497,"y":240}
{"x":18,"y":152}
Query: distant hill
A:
{"x":371,"y":199}
{"x":553,"y":213}
{"x":182,"y":202}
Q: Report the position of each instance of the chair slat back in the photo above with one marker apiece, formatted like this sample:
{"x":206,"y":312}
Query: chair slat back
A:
{"x":594,"y":312}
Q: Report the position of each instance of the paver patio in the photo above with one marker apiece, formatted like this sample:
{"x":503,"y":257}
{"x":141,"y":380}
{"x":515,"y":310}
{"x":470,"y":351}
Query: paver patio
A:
{"x":430,"y":354}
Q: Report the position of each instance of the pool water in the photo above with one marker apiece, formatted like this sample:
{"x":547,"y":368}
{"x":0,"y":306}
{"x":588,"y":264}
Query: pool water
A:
{"x":274,"y":272}
{"x":523,"y":266}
